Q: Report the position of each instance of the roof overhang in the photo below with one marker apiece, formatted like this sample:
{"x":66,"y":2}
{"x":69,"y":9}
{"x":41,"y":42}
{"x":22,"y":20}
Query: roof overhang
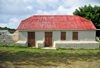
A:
{"x":56,"y":29}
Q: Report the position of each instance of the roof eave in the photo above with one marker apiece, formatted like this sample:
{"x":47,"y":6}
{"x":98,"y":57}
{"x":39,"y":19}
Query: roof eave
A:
{"x":50,"y":29}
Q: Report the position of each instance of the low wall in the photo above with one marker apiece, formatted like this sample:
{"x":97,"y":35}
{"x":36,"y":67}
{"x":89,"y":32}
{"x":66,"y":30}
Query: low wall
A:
{"x":6,"y":40}
{"x":77,"y":44}
{"x":40,"y":44}
{"x":22,"y":43}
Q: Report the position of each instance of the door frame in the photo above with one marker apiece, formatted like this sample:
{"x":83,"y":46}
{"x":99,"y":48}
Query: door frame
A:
{"x":49,"y":39}
{"x":28,"y":39}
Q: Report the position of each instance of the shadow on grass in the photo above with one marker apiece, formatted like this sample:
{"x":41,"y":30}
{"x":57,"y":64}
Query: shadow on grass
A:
{"x":44,"y":59}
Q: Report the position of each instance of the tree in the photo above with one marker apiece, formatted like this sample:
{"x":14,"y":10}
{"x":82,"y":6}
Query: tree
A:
{"x":90,"y":13}
{"x":9,"y":29}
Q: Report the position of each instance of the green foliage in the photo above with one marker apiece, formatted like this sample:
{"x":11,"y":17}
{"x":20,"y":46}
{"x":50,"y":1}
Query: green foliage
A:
{"x":90,"y":13}
{"x":9,"y":29}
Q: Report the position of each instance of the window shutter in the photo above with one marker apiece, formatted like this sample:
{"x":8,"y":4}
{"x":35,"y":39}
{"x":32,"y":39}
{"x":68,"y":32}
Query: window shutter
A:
{"x":75,"y":35}
{"x":63,"y":35}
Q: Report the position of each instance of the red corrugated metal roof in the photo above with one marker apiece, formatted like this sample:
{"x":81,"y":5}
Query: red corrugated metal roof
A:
{"x":55,"y":22}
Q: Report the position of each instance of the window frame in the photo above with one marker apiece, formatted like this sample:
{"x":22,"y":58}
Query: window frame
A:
{"x":75,"y":35}
{"x":63,"y":35}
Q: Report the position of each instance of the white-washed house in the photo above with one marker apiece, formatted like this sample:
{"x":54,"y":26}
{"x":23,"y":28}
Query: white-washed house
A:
{"x":57,"y":31}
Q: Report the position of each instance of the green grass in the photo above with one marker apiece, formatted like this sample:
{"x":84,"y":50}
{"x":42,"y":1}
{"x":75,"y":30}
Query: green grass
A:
{"x":27,"y":49}
{"x":19,"y":55}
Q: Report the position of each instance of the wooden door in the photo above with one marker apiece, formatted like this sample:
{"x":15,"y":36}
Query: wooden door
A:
{"x":31,"y":39}
{"x":75,"y":35}
{"x":48,"y":39}
{"x":63,"y":35}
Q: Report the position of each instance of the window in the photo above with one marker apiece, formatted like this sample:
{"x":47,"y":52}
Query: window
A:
{"x":75,"y":35}
{"x":63,"y":35}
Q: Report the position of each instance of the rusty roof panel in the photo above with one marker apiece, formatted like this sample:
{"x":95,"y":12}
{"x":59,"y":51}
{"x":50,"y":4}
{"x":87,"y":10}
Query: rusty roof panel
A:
{"x":55,"y":22}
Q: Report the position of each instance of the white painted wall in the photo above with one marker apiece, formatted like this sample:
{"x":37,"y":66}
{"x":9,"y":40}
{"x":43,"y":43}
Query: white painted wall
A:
{"x":83,"y":35}
{"x":68,"y":35}
{"x":23,"y":35}
{"x":39,"y":38}
{"x":87,"y":35}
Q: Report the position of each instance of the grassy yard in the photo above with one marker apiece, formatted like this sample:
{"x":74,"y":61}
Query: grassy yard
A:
{"x":24,"y":57}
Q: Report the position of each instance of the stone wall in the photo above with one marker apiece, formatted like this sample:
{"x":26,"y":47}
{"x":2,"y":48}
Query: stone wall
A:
{"x":7,"y":40}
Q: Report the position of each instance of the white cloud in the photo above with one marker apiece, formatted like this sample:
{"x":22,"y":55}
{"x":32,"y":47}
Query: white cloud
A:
{"x":59,"y":11}
{"x":29,"y":7}
{"x":63,"y":10}
{"x":2,"y":25}
{"x":15,"y":20}
{"x":45,"y":3}
{"x":15,"y":7}
{"x":49,"y":2}
{"x":71,"y":3}
{"x":79,"y":3}
{"x":13,"y":11}
{"x":28,"y":0}
{"x":12,"y":23}
{"x":68,"y":7}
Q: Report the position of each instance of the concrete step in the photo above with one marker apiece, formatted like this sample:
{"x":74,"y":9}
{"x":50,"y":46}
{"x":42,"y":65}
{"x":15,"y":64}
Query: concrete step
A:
{"x":48,"y":48}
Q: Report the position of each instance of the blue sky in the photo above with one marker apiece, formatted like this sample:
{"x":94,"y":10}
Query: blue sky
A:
{"x":13,"y":11}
